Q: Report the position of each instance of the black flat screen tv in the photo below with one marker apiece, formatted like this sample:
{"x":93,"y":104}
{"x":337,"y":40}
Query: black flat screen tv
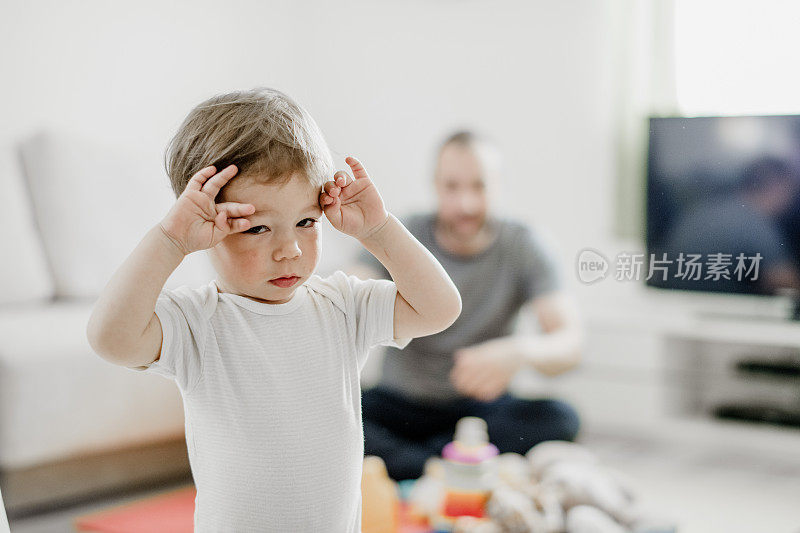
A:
{"x":723,"y":204}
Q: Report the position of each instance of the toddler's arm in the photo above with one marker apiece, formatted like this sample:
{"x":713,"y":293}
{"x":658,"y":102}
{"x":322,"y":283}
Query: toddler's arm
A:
{"x":427,"y":300}
{"x":123,"y":327}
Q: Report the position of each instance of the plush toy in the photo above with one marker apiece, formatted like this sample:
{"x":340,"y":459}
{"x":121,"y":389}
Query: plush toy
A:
{"x":515,"y":512}
{"x":427,"y":494}
{"x":573,"y":475}
{"x":513,"y":470}
{"x":557,"y":487}
{"x":547,"y":453}
{"x":579,"y":483}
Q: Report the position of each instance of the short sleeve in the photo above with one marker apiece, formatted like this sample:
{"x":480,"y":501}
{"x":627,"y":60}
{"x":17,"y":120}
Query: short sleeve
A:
{"x":374,"y":306}
{"x":184,"y":327}
{"x":369,"y":306}
{"x":540,"y":268}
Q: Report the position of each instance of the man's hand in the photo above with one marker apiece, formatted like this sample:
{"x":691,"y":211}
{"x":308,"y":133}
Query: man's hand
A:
{"x":353,"y":206}
{"x":484,"y":371}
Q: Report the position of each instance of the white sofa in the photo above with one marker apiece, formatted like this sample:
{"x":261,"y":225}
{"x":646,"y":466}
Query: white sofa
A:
{"x":73,"y":211}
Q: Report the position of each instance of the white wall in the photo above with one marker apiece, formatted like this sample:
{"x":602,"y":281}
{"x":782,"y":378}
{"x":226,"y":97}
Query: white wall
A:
{"x":385,"y":80}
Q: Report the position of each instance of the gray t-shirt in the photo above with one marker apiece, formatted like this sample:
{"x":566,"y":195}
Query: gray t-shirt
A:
{"x":517,"y":266}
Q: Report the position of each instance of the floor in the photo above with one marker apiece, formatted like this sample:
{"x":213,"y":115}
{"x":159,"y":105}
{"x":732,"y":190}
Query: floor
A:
{"x":701,"y":490}
{"x":706,"y":490}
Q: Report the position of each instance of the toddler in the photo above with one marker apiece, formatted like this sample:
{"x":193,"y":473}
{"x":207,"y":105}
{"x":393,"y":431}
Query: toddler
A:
{"x":267,"y":356}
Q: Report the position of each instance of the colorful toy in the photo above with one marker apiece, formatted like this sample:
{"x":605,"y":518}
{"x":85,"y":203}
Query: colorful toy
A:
{"x":380,"y":502}
{"x":469,"y":473}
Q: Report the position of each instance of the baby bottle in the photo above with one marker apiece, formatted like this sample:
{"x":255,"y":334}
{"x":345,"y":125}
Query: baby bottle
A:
{"x":469,"y":464}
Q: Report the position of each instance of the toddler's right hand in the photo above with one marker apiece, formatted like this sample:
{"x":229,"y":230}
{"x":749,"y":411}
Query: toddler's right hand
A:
{"x":196,"y":221}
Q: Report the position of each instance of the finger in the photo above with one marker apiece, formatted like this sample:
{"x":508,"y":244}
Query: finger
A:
{"x":487,"y":395}
{"x":462,"y":362}
{"x":469,"y":390}
{"x":462,"y":380}
{"x":457,"y":384}
{"x":238,"y":224}
{"x":226,"y":219}
{"x":342,"y":178}
{"x":197,"y":181}
{"x":486,"y":389}
{"x":235,"y":209}
{"x":219,"y":180}
{"x":460,"y":373}
{"x":473,"y":381}
{"x":489,"y":391}
{"x":331,"y":204}
{"x":331,"y":188}
{"x":326,"y":199}
{"x":359,"y":172}
{"x":333,"y":212}
{"x":221,"y":221}
{"x":463,"y":365}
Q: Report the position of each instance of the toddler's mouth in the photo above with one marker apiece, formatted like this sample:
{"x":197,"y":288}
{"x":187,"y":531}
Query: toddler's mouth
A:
{"x":285,"y":282}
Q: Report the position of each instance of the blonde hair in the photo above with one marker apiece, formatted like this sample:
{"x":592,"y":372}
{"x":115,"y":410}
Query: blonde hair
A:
{"x":264,"y":132}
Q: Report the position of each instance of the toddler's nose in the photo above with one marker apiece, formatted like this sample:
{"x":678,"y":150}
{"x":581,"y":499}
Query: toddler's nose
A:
{"x":288,"y":249}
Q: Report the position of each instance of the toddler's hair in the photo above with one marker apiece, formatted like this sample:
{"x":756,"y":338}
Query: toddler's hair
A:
{"x":262,"y":131}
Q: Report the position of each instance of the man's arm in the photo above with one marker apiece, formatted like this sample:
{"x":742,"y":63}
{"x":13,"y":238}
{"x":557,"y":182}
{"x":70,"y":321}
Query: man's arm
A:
{"x":427,"y":300}
{"x":560,"y":348}
{"x":485,"y":370}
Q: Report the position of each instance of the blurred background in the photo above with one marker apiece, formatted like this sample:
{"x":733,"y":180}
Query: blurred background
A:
{"x":692,"y":393}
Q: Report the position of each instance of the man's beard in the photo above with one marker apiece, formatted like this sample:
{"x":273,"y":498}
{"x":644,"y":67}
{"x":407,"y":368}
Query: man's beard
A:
{"x":466,"y":227}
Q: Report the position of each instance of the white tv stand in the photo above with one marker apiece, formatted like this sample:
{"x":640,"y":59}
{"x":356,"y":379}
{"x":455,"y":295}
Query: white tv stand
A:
{"x":656,"y":366}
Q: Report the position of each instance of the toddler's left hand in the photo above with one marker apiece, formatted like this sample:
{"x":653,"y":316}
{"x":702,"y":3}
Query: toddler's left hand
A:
{"x":353,"y":206}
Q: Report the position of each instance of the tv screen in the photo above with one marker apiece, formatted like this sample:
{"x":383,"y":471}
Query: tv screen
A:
{"x":723,"y":204}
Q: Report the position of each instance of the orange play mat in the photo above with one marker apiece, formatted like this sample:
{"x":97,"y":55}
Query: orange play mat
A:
{"x":171,"y":512}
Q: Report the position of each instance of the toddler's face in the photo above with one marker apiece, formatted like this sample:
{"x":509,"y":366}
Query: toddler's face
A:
{"x":283,"y":240}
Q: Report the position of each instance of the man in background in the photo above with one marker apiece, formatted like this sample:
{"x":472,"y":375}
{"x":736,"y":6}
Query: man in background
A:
{"x":500,"y":266}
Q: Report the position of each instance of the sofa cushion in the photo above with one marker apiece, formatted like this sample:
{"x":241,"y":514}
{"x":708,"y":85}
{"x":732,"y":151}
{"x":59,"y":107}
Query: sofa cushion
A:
{"x":93,"y":203}
{"x":24,"y":275}
{"x":58,"y":399}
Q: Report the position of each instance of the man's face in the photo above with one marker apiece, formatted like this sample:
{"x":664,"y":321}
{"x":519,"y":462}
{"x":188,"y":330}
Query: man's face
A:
{"x":283,"y":240}
{"x":461,"y":189}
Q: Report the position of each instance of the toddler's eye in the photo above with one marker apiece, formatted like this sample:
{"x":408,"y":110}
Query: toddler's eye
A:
{"x":307,"y":222}
{"x":254,"y":230}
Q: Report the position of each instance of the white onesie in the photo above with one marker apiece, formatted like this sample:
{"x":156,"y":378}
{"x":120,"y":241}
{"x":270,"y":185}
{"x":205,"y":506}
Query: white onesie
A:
{"x":272,"y":399}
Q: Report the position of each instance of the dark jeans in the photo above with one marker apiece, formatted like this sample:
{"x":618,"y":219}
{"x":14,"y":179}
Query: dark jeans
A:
{"x":405,"y":433}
